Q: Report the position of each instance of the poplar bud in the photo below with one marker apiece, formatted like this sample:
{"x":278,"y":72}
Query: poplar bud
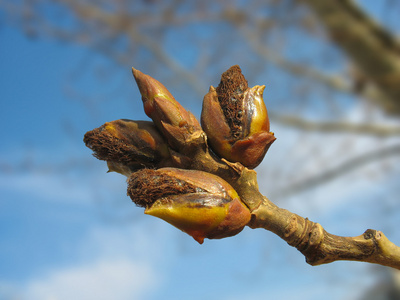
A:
{"x":176,"y":123}
{"x":128,"y":145}
{"x":235,"y":119}
{"x":201,"y":204}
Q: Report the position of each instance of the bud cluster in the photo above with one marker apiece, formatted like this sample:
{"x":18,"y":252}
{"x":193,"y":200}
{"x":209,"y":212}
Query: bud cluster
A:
{"x":153,"y":154}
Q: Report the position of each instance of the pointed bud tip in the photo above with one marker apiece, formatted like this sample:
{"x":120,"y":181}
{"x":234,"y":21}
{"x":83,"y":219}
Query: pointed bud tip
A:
{"x":137,"y":74}
{"x":260,"y":89}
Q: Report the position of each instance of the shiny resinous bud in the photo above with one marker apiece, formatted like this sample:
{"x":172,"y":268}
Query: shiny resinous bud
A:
{"x":201,"y":204}
{"x":176,"y":123}
{"x":128,"y":145}
{"x":235,"y":119}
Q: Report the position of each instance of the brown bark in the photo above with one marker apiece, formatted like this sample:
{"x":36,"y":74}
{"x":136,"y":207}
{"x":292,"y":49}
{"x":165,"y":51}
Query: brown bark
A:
{"x":320,"y":247}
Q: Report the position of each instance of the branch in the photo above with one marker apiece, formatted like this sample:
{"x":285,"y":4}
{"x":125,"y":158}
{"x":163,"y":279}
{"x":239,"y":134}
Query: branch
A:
{"x":345,"y":127}
{"x":197,"y":204}
{"x":309,"y":238}
{"x":320,"y":247}
{"x":373,"y":50}
{"x":334,"y":82}
{"x":297,"y":69}
{"x":116,"y":25}
{"x":129,"y":25}
{"x":343,"y":168}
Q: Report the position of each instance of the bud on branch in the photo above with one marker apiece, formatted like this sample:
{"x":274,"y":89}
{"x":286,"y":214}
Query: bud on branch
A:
{"x":235,"y":119}
{"x":201,"y":204}
{"x":166,"y":161}
{"x":128,"y":145}
{"x":176,"y":123}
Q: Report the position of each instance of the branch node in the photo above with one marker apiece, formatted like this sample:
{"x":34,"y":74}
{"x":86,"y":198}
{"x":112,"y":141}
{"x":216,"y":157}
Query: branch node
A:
{"x":236,"y":167}
{"x":291,"y":229}
{"x":309,"y":241}
{"x":372,"y":234}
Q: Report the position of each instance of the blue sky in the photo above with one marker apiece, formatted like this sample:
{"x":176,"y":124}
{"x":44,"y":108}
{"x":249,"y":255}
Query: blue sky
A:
{"x":68,"y":230}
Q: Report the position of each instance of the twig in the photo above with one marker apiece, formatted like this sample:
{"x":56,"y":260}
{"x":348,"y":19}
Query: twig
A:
{"x":320,"y":247}
{"x":345,"y":167}
{"x":373,"y":50}
{"x":345,"y":127}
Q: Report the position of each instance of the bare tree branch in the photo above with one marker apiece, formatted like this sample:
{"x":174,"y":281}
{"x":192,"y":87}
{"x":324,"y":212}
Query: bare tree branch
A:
{"x":373,"y":50}
{"x":192,"y":152}
{"x":345,"y":127}
{"x":345,"y":167}
{"x":127,"y":24}
{"x":320,"y":247}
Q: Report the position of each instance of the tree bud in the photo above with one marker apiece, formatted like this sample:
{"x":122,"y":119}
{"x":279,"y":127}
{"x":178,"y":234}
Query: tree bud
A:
{"x":201,"y":204}
{"x":176,"y":123}
{"x":235,"y":119}
{"x":128,"y":145}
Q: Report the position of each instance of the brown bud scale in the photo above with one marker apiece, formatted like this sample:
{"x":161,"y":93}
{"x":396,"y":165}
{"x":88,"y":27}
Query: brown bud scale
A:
{"x":110,"y":148}
{"x":128,"y":145}
{"x":230,"y":92}
{"x":147,"y":185}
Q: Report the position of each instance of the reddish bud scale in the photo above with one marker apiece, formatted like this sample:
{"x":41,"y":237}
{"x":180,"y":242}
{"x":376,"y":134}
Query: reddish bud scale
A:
{"x":176,"y":123}
{"x":235,"y":119}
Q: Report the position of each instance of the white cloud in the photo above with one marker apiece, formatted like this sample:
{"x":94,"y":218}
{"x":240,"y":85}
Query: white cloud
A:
{"x":103,"y":279}
{"x":112,"y":263}
{"x":46,"y":186}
